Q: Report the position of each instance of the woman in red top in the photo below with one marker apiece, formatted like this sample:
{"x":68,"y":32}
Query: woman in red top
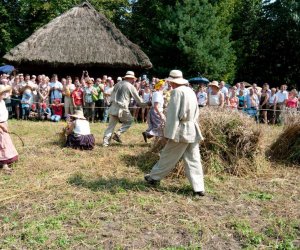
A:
{"x":77,"y":96}
{"x":292,"y":101}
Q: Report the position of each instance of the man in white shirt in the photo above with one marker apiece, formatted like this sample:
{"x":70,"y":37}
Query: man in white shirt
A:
{"x":224,"y":91}
{"x":107,"y":93}
{"x":119,"y":111}
{"x":183,"y":134}
{"x":242,"y":88}
{"x":282,"y":96}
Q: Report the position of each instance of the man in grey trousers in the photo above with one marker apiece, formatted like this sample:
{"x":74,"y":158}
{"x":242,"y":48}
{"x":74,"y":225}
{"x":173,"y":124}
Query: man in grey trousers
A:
{"x":183,"y":134}
{"x":118,"y":112}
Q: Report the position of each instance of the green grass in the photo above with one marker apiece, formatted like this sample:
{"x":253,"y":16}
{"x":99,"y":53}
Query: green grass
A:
{"x":257,"y":195}
{"x":60,"y":198}
{"x":246,"y":234}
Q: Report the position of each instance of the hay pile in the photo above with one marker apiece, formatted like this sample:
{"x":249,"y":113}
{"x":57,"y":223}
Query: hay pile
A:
{"x":232,"y":141}
{"x":287,"y":146}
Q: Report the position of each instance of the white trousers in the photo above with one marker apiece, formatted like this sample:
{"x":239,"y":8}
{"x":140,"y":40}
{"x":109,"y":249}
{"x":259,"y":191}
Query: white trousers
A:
{"x":126,"y":120}
{"x":171,"y":154}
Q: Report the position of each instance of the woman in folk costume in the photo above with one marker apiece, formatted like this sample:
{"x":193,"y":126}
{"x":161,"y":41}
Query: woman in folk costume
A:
{"x":8,"y":152}
{"x":156,"y":117}
{"x":79,"y":133}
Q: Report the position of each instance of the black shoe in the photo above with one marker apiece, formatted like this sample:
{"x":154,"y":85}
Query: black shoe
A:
{"x":117,"y":138}
{"x":150,"y":181}
{"x":200,"y":193}
{"x":145,"y":136}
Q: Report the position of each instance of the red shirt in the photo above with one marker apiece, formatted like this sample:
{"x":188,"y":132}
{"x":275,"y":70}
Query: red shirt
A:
{"x":292,"y":102}
{"x":57,"y":109}
{"x":77,"y":96}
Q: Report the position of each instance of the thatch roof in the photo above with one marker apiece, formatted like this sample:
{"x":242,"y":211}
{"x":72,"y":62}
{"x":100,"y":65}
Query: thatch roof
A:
{"x":80,"y":37}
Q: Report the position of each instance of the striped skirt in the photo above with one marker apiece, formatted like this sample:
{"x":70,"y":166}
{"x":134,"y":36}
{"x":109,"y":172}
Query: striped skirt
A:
{"x":83,"y":142}
{"x":154,"y":124}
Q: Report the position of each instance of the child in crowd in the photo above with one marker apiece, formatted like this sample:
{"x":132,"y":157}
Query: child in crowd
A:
{"x":201,"y":96}
{"x":33,"y":113}
{"x":25,"y":103}
{"x":45,"y":112}
{"x":57,"y":108}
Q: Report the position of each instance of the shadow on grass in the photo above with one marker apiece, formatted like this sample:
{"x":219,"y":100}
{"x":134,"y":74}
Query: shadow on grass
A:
{"x":130,"y":145}
{"x":55,"y":143}
{"x":115,"y":185}
{"x":144,"y":161}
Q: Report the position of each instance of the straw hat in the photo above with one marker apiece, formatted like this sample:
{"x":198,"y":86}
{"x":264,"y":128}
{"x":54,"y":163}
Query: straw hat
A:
{"x":130,"y":74}
{"x":214,"y":83}
{"x":78,"y":114}
{"x":119,"y":79}
{"x":4,"y":88}
{"x":176,"y":76}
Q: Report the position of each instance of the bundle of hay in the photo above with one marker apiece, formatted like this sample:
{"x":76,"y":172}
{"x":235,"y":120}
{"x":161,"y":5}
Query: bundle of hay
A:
{"x":287,"y":146}
{"x":63,"y":134}
{"x":232,"y":141}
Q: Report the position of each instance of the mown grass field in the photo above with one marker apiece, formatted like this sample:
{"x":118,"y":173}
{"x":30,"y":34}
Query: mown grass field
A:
{"x":60,"y":198}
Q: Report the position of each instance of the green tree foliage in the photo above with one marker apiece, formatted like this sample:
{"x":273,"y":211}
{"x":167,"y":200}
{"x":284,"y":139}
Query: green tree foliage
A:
{"x":254,"y":40}
{"x":245,"y":35}
{"x":279,"y":42}
{"x":144,"y":28}
{"x":204,"y":39}
{"x":266,"y":39}
{"x":9,"y":28}
{"x":192,"y":35}
{"x":5,"y":41}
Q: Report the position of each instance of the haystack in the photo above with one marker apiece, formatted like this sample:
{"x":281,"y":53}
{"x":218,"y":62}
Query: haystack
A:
{"x":232,"y":141}
{"x":287,"y":146}
{"x":80,"y":38}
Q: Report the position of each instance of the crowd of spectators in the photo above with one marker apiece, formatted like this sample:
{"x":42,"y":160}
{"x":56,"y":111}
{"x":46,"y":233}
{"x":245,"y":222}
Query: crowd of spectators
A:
{"x":265,"y":104}
{"x":42,"y":98}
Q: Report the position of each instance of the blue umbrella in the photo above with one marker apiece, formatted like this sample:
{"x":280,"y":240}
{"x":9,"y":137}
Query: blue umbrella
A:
{"x":7,"y":69}
{"x":198,"y":80}
{"x":228,"y":85}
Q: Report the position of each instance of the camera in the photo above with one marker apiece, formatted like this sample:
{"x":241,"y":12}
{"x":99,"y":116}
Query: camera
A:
{"x":85,"y":73}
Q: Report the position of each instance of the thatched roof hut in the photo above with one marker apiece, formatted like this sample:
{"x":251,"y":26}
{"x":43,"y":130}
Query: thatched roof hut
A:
{"x":81,"y":38}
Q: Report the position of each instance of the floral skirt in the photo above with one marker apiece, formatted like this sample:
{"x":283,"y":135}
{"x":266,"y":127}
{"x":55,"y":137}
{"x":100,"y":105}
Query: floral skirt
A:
{"x":155,"y":127}
{"x":83,"y":142}
{"x":8,"y":152}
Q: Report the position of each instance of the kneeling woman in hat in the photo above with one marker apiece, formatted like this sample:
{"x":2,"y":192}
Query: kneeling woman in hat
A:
{"x":79,"y":133}
{"x":8,"y":153}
